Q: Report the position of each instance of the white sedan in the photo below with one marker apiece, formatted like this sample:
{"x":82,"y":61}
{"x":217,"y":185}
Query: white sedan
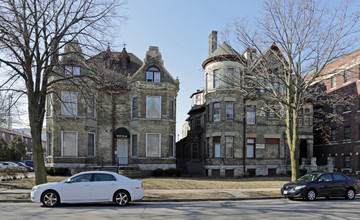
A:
{"x":93,"y":186}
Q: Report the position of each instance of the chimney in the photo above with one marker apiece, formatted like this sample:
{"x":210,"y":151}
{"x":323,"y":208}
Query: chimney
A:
{"x":212,"y":42}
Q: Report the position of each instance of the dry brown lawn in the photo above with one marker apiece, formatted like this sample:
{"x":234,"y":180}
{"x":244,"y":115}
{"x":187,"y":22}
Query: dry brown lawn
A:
{"x":207,"y":183}
{"x":180,"y":183}
{"x":263,"y":194}
{"x":187,"y":195}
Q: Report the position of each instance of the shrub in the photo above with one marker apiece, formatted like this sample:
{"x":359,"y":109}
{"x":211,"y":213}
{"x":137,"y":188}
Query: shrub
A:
{"x":170,"y":172}
{"x":158,"y":172}
{"x":50,"y":171}
{"x":178,"y":172}
{"x":57,"y":171}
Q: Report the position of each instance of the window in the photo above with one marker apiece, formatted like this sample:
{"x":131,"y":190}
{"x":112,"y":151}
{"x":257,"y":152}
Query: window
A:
{"x":91,"y":144}
{"x":134,"y":145}
{"x":216,"y":146}
{"x":11,"y":137}
{"x":81,"y":178}
{"x":229,"y":111}
{"x":49,"y":144}
{"x":69,"y":144}
{"x":216,"y":78}
{"x":49,"y":102}
{"x":198,"y":123}
{"x":347,"y":76}
{"x":153,"y":144}
{"x":334,"y":109}
{"x":26,"y":141}
{"x":347,"y":133}
{"x":72,"y":70}
{"x":347,"y":108}
{"x":301,"y":118}
{"x":230,"y":78}
{"x":171,"y":146}
{"x":194,"y":151}
{"x":271,"y":114}
{"x":3,"y":136}
{"x":250,"y":148}
{"x":153,"y":107}
{"x":326,"y":178}
{"x":172,"y":110}
{"x":333,"y":134}
{"x":307,"y":117}
{"x":206,"y":81}
{"x":347,"y":161}
{"x":103,"y":177}
{"x":217,"y":111}
{"x":272,"y":148}
{"x":229,"y":147}
{"x":69,"y":103}
{"x":153,"y":74}
{"x":250,"y":115}
{"x":134,"y":108}
{"x":90,"y":106}
{"x":338,"y":177}
{"x":333,"y":82}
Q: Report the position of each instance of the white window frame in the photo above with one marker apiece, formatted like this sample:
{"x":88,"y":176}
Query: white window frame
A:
{"x":232,"y":108}
{"x":94,"y":144}
{"x":62,"y":143}
{"x":216,"y":82}
{"x":147,"y":107}
{"x":147,"y":144}
{"x":232,"y":146}
{"x":3,"y":136}
{"x":219,"y":109}
{"x":62,"y":103}
{"x":49,"y":102}
{"x":251,"y":116}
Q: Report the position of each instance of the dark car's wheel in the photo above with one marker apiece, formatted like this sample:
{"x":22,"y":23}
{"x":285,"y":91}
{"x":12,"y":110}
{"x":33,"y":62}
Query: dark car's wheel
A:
{"x":50,"y":198}
{"x":350,"y":194}
{"x":121,"y":198}
{"x":311,"y":195}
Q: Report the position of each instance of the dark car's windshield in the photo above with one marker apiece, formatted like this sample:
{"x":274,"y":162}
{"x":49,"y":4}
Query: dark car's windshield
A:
{"x":308,"y":177}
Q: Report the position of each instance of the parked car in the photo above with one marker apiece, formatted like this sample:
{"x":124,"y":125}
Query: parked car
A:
{"x":14,"y":167}
{"x":29,"y":168}
{"x":313,"y":185}
{"x":29,"y":163}
{"x":89,"y":187}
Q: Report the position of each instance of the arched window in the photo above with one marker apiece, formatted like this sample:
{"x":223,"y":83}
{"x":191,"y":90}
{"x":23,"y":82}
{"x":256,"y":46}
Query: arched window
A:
{"x":153,"y":74}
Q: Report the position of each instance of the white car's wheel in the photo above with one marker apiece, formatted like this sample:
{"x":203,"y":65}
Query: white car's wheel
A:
{"x":121,"y":198}
{"x":50,"y":198}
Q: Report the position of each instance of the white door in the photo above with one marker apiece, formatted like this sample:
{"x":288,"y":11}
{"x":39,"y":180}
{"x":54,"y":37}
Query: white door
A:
{"x":122,"y":151}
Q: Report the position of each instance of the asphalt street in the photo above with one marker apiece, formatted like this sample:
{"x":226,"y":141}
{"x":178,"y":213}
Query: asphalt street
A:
{"x":246,"y":209}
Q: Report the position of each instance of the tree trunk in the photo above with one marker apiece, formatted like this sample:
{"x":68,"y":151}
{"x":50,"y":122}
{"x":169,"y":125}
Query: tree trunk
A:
{"x":36,"y":122}
{"x":294,"y":156}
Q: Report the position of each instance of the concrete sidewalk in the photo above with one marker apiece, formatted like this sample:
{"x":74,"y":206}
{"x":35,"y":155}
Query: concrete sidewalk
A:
{"x":238,"y":194}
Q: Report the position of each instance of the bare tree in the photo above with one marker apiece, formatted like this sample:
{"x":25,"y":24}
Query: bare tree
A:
{"x":33,"y":35}
{"x":306,"y":36}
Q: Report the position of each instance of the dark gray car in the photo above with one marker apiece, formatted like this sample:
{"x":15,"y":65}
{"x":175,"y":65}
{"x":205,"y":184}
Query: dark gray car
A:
{"x":326,"y":185}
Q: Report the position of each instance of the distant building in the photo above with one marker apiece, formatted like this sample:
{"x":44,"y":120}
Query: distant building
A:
{"x":7,"y":135}
{"x":342,"y":78}
{"x":231,"y":135}
{"x":127,"y":118}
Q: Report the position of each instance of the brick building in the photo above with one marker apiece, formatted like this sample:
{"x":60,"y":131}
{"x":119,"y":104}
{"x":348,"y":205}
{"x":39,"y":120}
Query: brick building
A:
{"x":126,"y":116}
{"x":341,"y":139}
{"x":232,"y":135}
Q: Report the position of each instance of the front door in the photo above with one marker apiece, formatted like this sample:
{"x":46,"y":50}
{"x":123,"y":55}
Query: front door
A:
{"x":122,"y":151}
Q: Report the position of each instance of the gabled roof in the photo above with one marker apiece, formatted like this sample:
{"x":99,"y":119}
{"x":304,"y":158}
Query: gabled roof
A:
{"x":224,"y":49}
{"x":273,"y":49}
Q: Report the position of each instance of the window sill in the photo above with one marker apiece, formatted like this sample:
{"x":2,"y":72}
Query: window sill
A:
{"x":347,"y":112}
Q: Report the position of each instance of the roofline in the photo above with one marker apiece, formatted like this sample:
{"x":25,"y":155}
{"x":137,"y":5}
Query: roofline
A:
{"x":225,"y":57}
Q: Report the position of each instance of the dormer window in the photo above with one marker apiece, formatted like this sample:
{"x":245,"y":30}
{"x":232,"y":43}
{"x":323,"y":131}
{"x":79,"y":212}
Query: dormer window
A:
{"x":71,"y":69}
{"x":153,"y":75}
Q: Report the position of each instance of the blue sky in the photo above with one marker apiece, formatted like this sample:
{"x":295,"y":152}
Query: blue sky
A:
{"x":180,"y":29}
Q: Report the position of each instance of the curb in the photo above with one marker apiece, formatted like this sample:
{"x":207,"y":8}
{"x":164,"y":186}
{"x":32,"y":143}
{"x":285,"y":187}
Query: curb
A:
{"x":165,"y":200}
